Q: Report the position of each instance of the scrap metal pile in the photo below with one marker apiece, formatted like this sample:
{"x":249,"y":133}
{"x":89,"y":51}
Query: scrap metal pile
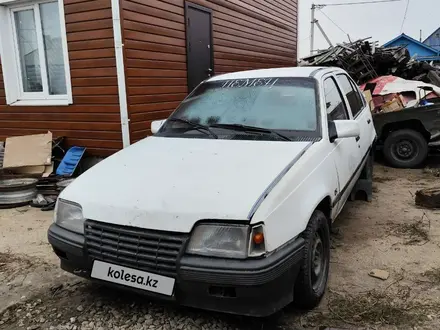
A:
{"x":364,"y":61}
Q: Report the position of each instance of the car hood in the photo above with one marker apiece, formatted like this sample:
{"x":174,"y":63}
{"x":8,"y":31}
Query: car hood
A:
{"x":171,"y":183}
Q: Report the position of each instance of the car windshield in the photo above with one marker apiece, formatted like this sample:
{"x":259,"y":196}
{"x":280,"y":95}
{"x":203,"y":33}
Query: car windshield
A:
{"x":285,"y":106}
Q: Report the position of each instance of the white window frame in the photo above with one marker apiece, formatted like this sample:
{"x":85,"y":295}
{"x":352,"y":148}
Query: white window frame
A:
{"x":10,"y":60}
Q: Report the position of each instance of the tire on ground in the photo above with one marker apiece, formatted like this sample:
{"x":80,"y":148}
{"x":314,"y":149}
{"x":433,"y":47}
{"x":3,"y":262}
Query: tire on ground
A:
{"x":306,"y":294}
{"x":418,"y":143}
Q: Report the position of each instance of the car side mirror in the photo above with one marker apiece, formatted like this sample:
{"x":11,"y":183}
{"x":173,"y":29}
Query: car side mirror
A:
{"x":340,"y":129}
{"x":156,"y":125}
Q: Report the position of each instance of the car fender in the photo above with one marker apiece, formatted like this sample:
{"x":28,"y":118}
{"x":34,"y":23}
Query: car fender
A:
{"x":287,"y":209}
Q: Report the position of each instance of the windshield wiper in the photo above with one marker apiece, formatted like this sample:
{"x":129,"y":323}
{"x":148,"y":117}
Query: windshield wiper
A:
{"x":198,"y":127}
{"x":245,"y":128}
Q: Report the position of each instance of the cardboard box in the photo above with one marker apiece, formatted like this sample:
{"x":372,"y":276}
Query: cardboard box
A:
{"x":392,"y":106}
{"x":29,"y":154}
{"x":369,"y":99}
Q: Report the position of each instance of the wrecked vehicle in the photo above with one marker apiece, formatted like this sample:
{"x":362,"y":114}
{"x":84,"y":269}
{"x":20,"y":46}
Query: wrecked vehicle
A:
{"x":231,"y":200}
{"x":405,"y":114}
{"x":406,"y":136}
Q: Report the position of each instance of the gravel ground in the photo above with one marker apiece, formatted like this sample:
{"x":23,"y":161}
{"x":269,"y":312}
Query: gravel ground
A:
{"x":75,"y":304}
{"x":390,"y":233}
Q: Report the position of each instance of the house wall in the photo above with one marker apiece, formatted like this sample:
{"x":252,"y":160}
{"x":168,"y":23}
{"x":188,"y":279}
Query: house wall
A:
{"x":93,"y":120}
{"x":433,"y":40}
{"x":247,"y":34}
{"x":412,"y":47}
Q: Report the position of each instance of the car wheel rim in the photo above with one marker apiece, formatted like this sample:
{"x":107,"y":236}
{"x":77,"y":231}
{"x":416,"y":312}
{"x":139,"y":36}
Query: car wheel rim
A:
{"x":318,"y":263}
{"x":405,"y":150}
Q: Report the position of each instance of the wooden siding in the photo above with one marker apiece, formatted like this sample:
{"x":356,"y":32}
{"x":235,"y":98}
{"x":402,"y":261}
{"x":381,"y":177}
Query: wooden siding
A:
{"x":93,"y":120}
{"x":247,"y":34}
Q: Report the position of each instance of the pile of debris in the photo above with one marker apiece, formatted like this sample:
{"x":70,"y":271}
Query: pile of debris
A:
{"x":365,"y":61}
{"x":35,"y":169}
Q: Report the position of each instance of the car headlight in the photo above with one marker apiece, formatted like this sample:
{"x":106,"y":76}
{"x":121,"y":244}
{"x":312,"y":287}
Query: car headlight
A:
{"x":227,"y":241}
{"x":69,"y":216}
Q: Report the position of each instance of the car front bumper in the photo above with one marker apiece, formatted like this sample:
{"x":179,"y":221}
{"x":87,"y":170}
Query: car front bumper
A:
{"x":254,"y":287}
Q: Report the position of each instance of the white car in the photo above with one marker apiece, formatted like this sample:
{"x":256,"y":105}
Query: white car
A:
{"x":228,"y":207}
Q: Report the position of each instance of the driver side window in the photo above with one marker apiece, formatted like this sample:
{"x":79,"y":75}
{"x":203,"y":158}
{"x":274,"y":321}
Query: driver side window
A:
{"x":336,"y":109}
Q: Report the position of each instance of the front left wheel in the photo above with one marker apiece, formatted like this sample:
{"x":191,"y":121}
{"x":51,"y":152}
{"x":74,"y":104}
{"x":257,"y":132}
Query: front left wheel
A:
{"x":313,"y":276}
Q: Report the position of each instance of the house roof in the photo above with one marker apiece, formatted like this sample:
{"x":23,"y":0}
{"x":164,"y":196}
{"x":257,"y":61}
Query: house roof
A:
{"x":412,"y":40}
{"x":436,"y":31}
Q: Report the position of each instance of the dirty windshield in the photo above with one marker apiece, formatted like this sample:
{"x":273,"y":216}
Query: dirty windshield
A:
{"x":283,"y":107}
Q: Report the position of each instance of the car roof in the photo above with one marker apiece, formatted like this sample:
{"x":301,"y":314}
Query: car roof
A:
{"x":305,"y":71}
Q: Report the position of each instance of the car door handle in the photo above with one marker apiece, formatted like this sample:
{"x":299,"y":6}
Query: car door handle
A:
{"x":358,"y":138}
{"x":369,"y":121}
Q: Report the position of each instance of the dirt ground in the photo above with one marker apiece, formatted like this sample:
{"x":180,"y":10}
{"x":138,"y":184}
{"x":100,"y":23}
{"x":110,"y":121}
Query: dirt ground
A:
{"x":390,"y":233}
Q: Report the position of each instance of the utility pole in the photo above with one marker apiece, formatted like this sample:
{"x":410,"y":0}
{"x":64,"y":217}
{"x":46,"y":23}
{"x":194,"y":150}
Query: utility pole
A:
{"x":314,"y":21}
{"x":312,"y":30}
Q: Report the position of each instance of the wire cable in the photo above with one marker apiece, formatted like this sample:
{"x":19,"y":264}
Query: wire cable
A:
{"x":404,"y":16}
{"x":333,"y":22}
{"x":358,"y":3}
{"x":305,"y":39}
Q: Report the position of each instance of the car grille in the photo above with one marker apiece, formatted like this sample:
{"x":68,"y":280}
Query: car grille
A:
{"x":148,"y":250}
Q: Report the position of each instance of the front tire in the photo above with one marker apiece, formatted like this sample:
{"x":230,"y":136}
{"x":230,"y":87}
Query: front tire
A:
{"x":405,"y":148}
{"x":313,"y":276}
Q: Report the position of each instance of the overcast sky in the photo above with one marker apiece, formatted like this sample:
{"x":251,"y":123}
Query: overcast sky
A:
{"x":381,"y":21}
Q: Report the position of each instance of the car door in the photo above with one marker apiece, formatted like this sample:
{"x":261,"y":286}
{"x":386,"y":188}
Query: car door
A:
{"x":345,"y":152}
{"x":359,"y":111}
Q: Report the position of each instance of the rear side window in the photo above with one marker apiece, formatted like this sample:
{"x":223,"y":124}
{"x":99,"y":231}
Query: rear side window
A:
{"x":336,"y":109}
{"x":361,"y":95}
{"x":352,"y":94}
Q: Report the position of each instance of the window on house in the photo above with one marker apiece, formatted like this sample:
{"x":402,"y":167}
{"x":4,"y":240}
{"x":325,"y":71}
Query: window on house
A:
{"x":34,"y":54}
